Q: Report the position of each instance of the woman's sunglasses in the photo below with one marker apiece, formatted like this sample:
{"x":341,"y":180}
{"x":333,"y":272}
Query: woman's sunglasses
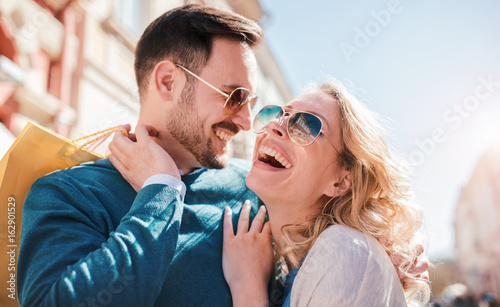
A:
{"x":234,"y":101}
{"x":303,"y":128}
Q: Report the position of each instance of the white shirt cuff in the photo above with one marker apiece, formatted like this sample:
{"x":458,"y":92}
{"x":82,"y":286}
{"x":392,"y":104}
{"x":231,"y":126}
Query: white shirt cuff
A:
{"x":169,"y":180}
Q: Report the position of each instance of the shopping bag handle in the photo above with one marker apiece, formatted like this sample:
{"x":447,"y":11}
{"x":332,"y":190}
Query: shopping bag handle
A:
{"x":99,"y":137}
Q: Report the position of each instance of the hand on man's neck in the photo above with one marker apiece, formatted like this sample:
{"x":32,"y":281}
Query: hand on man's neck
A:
{"x":185,"y":160}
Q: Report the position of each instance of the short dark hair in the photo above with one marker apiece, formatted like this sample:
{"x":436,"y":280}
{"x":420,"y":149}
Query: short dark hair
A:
{"x":185,"y":35}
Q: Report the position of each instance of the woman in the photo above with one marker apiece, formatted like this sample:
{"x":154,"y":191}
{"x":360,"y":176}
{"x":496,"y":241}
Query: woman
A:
{"x":331,"y":187}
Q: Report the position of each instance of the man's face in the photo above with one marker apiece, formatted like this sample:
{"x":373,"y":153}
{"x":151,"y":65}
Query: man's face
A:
{"x":198,"y":121}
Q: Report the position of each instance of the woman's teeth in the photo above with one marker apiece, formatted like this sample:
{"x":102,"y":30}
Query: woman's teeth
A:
{"x":223,"y":136}
{"x":268,"y":151}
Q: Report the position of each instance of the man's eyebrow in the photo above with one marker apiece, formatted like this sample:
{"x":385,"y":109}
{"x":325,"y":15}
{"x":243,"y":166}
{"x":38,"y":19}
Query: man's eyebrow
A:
{"x":229,"y":87}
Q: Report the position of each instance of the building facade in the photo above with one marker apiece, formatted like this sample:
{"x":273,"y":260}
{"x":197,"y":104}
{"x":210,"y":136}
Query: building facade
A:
{"x":477,"y":227}
{"x":68,"y":64}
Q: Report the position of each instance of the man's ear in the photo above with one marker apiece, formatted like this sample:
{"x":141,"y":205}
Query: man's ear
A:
{"x":164,"y":76}
{"x":341,"y":186}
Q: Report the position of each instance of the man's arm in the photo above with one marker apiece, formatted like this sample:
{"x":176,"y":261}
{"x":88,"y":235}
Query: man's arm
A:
{"x":68,"y":256}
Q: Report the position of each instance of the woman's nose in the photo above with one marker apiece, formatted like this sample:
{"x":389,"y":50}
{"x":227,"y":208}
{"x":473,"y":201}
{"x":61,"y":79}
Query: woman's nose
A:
{"x":278,"y":126}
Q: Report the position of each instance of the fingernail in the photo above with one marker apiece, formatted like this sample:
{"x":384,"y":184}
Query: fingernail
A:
{"x":262,"y":208}
{"x":247,"y":204}
{"x":228,"y":211}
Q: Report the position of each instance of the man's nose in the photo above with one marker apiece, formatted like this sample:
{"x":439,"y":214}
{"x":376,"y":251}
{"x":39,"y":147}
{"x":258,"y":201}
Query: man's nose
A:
{"x":243,"y":119}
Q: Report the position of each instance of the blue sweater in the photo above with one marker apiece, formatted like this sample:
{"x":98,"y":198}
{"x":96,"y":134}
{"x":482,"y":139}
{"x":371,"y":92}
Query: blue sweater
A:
{"x":88,"y":239}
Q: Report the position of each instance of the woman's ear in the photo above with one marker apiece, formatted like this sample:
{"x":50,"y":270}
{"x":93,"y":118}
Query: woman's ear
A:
{"x":164,"y":75}
{"x":340,"y":186}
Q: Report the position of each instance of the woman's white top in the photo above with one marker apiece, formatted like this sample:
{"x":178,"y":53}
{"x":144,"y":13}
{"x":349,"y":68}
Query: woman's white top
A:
{"x":346,"y":267}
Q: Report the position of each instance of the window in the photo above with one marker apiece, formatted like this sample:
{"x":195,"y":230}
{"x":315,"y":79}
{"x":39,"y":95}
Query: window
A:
{"x":132,"y":14}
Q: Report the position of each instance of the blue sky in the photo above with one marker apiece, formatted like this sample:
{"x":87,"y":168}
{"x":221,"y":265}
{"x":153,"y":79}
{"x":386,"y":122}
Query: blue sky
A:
{"x":431,"y":69}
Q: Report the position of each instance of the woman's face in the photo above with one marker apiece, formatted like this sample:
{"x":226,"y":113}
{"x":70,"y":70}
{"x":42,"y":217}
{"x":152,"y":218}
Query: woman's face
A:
{"x":298,"y":175}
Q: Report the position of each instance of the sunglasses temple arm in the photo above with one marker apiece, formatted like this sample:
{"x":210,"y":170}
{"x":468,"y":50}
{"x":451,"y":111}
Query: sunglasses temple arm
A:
{"x":199,"y":78}
{"x":328,"y":139}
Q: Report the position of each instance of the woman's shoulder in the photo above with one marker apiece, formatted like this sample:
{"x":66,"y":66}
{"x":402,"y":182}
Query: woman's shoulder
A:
{"x":347,"y":267}
{"x":339,"y":239}
{"x":338,"y":232}
{"x":345,"y":248}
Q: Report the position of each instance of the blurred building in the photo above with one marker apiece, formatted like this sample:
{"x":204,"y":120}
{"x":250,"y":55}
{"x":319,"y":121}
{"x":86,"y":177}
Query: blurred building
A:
{"x":477,"y":226}
{"x":68,"y":64}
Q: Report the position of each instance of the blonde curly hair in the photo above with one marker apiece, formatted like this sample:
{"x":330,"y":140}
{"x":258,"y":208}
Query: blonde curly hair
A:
{"x":379,"y":201}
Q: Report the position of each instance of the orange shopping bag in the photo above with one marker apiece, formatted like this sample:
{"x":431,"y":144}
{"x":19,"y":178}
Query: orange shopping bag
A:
{"x":35,"y":153}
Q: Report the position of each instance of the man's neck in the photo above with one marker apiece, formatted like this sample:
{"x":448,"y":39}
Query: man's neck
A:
{"x":185,"y":160}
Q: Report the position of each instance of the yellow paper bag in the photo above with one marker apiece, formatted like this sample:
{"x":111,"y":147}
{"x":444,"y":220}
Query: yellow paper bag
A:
{"x":35,"y":153}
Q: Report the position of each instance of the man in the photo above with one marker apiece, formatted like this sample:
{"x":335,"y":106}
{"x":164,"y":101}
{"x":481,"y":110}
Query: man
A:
{"x":89,"y":239}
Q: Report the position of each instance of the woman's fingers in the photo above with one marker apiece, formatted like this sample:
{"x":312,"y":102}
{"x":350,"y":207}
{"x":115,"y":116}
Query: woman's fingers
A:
{"x":132,"y":137}
{"x":258,"y":220}
{"x":421,"y":264}
{"x":141,"y":133}
{"x":243,"y":222}
{"x":121,"y":143}
{"x":144,"y":132}
{"x":244,"y":217}
{"x":123,"y":170}
{"x":267,"y":229}
{"x":126,"y":127}
{"x":228,"y":225}
{"x":118,"y":151}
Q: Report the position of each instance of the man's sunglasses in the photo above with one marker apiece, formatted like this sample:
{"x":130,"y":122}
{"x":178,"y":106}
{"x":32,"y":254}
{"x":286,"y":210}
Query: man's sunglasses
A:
{"x":234,"y":101}
{"x":303,"y":128}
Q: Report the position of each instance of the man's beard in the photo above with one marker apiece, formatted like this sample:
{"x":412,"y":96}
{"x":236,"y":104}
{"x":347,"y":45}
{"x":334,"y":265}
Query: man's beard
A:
{"x":185,"y":126}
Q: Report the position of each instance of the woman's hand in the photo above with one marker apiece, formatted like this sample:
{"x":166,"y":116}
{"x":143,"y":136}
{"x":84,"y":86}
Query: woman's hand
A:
{"x":420,"y":264}
{"x":247,"y":257}
{"x":418,"y":268}
{"x":139,"y":157}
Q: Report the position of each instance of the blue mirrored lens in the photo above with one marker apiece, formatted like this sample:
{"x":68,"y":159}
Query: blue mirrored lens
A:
{"x":265,"y":116}
{"x":304,"y":128}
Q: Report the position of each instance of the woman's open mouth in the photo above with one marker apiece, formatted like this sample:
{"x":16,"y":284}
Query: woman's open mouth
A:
{"x":272,"y":157}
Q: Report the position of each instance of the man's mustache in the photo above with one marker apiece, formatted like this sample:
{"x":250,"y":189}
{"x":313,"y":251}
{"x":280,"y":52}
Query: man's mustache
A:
{"x":228,"y":126}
